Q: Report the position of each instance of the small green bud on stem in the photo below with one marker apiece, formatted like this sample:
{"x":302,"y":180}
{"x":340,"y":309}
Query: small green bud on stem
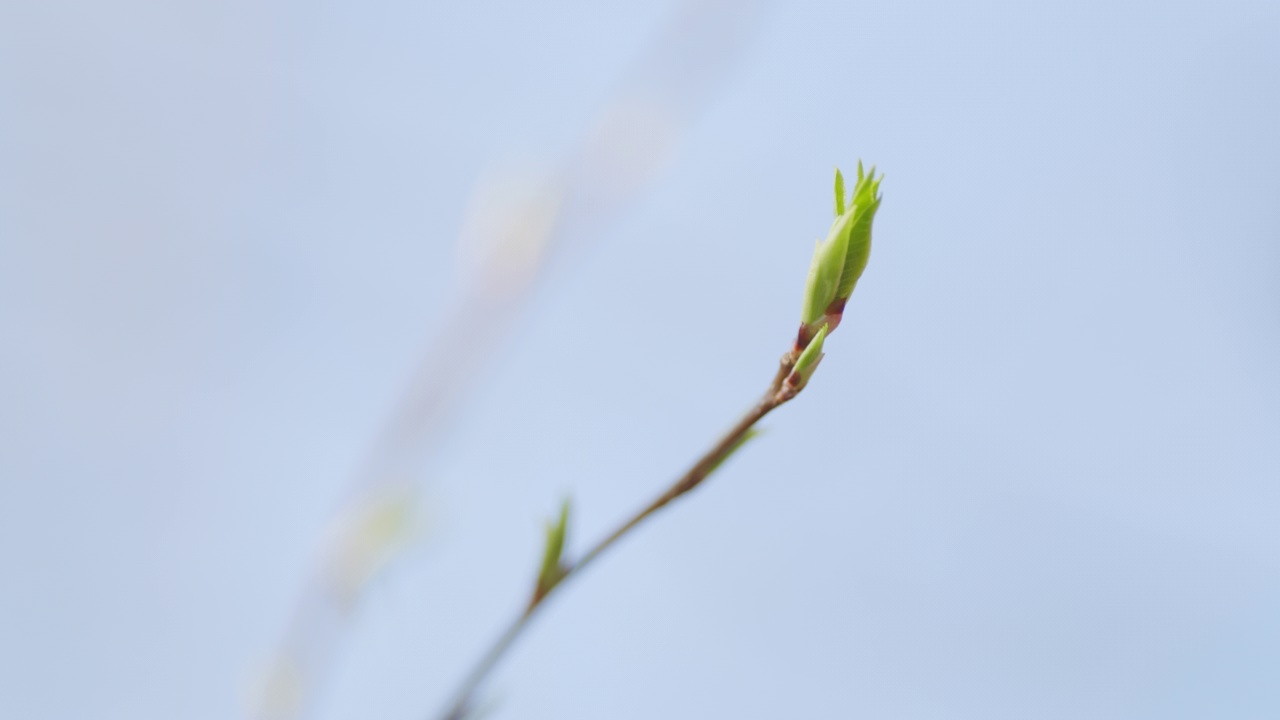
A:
{"x":805,"y":365}
{"x":553,"y":568}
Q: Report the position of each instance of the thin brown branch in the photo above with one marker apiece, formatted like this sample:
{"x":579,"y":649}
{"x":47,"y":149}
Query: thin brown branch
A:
{"x":777,"y":394}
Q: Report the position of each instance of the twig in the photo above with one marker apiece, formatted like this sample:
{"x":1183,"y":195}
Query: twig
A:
{"x":779,"y":392}
{"x":837,"y":264}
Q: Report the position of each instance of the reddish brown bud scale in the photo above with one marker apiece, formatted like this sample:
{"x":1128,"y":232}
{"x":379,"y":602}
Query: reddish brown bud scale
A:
{"x":803,"y":338}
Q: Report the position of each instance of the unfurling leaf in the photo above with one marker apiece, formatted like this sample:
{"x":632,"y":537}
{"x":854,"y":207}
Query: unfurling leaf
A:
{"x":839,"y":260}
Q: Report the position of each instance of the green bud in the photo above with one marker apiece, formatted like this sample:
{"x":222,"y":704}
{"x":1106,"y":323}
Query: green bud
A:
{"x":839,"y":260}
{"x":864,"y":204}
{"x":808,"y":361}
{"x":552,"y":569}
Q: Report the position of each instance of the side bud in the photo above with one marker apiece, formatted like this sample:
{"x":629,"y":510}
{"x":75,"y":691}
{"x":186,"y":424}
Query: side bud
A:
{"x":806,"y":364}
{"x":553,"y":569}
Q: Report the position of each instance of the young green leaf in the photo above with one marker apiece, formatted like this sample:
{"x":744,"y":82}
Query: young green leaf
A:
{"x":824,"y":272}
{"x":863,"y":207}
{"x":839,"y":193}
{"x":552,"y":569}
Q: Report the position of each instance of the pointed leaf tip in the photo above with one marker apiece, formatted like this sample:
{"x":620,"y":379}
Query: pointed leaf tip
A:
{"x":839,"y":193}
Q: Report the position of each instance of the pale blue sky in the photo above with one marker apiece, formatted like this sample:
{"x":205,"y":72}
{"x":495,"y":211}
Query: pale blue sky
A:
{"x":1037,"y":476}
